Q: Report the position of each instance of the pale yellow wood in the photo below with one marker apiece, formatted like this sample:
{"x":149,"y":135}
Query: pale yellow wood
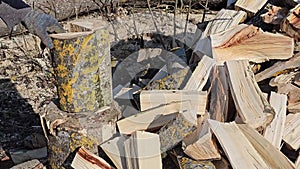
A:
{"x":87,"y":160}
{"x":237,"y":147}
{"x":152,"y":118}
{"x":249,"y":42}
{"x":252,"y":106}
{"x":224,"y":20}
{"x":153,"y":98}
{"x":143,"y":151}
{"x":297,"y":163}
{"x":270,"y":154}
{"x":292,"y":130}
{"x":274,"y":132}
{"x":200,"y":74}
{"x":199,"y":144}
{"x":115,"y":150}
{"x":251,"y":5}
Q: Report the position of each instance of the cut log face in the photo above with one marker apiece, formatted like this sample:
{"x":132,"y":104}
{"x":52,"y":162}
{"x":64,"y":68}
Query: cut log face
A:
{"x":143,"y":151}
{"x":154,"y":98}
{"x":251,"y":104}
{"x":249,"y":42}
{"x":237,"y":147}
{"x":85,"y":159}
{"x":250,"y":5}
{"x":271,"y":155}
{"x":292,"y":130}
{"x":274,"y":132}
{"x":199,"y":145}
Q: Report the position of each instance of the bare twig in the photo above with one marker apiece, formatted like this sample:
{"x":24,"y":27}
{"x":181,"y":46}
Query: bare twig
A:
{"x":174,"y":23}
{"x":204,"y":12}
{"x":187,"y":17}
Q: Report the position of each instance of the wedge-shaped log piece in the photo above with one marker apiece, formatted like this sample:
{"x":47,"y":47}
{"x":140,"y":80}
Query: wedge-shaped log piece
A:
{"x":224,"y":20}
{"x":292,"y":130}
{"x":252,"y":106}
{"x":176,"y":130}
{"x":271,"y":155}
{"x":200,"y":74}
{"x":279,"y":67}
{"x":153,"y":118}
{"x":274,"y":132}
{"x":154,"y":98}
{"x":86,"y":159}
{"x":251,"y":5}
{"x":199,"y":145}
{"x":237,"y":147}
{"x":143,"y":151}
{"x":249,"y":42}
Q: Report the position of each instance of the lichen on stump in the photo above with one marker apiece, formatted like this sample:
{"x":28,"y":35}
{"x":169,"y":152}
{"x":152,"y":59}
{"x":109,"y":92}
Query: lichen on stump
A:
{"x":81,"y":62}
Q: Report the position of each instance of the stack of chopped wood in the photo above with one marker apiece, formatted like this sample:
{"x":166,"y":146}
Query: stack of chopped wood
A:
{"x":228,"y":113}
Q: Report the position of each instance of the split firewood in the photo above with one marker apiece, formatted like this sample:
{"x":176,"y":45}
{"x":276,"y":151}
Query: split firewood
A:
{"x":31,"y":164}
{"x":219,"y":95}
{"x":275,"y":14}
{"x":297,"y":163}
{"x":292,"y":130}
{"x":85,"y":159}
{"x":176,"y":130}
{"x":199,"y":145}
{"x":291,"y":24}
{"x":200,"y":75}
{"x":274,"y":132}
{"x":252,"y":106}
{"x":143,"y":151}
{"x":265,"y":148}
{"x":251,"y":6}
{"x":249,"y":42}
{"x":154,"y":98}
{"x":279,"y":68}
{"x":237,"y":147}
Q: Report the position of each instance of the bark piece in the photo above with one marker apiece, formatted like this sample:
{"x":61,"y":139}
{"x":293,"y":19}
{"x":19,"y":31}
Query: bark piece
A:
{"x":237,"y":147}
{"x":252,"y":106}
{"x":176,"y":130}
{"x":153,"y":98}
{"x":200,"y":74}
{"x":249,"y":42}
{"x":219,"y":95}
{"x":265,"y":148}
{"x":199,"y":145}
{"x":143,"y":151}
{"x":252,"y":6}
{"x":20,"y":156}
{"x":274,"y":132}
{"x":279,"y":67}
{"x":88,"y":160}
{"x":152,"y":119}
{"x":292,"y":130}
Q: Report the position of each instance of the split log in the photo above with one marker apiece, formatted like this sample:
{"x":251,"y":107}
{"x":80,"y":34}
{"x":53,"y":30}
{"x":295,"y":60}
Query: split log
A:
{"x":292,"y":130}
{"x":81,"y":62}
{"x":176,"y":130}
{"x":291,"y":24}
{"x":278,"y":68}
{"x":252,"y":106}
{"x":219,"y":95}
{"x":237,"y":147}
{"x":249,"y":42}
{"x":154,"y":98}
{"x":274,"y":132}
{"x":200,"y":74}
{"x":199,"y":145}
{"x":275,"y":14}
{"x":251,"y":6}
{"x":297,"y":163}
{"x":265,"y":149}
{"x":88,"y":160}
{"x":115,"y":150}
{"x":151,"y":119}
{"x":32,"y":164}
{"x":143,"y":151}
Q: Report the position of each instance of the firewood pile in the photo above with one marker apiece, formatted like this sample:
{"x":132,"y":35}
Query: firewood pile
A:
{"x":238,"y":107}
